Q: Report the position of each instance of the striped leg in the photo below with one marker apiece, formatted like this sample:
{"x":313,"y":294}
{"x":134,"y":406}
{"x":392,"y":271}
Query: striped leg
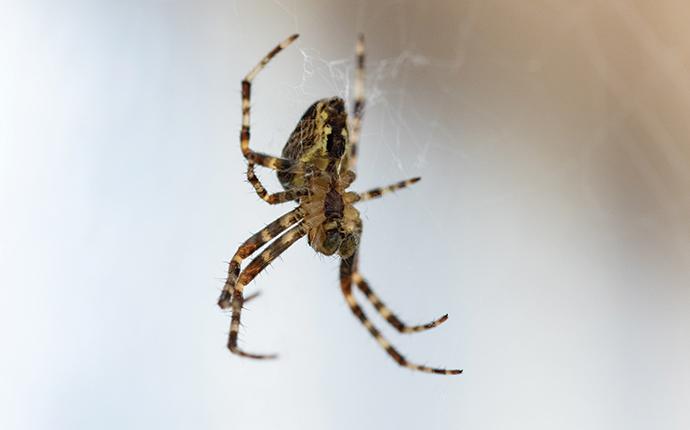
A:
{"x":358,"y":108}
{"x":346,"y":271}
{"x":387,"y":314}
{"x":275,"y":163}
{"x":249,"y":247}
{"x":253,"y":269}
{"x":378,"y":192}
{"x":275,"y":198}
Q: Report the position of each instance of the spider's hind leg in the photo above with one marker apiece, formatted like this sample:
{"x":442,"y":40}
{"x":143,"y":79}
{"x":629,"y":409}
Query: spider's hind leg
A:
{"x":253,"y":157}
{"x":358,"y":107}
{"x":275,"y":198}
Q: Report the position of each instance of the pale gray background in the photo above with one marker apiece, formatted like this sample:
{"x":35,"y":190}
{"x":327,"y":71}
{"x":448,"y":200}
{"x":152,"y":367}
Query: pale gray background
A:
{"x":552,"y":224}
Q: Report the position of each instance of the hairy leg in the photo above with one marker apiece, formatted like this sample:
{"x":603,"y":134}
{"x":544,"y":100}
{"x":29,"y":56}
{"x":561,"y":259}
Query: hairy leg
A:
{"x":380,"y":191}
{"x":346,"y":270}
{"x":253,"y":269}
{"x":269,"y":161}
{"x":255,"y":242}
{"x":275,"y":198}
{"x":387,"y":314}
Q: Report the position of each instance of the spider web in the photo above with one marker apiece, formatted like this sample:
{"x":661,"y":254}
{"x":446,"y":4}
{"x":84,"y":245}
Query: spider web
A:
{"x":552,"y":221}
{"x":409,"y":88}
{"x":398,"y":134}
{"x":390,"y":107}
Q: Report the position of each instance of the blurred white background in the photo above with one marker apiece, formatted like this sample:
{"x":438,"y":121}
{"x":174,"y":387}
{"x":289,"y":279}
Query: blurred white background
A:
{"x":552,"y":224}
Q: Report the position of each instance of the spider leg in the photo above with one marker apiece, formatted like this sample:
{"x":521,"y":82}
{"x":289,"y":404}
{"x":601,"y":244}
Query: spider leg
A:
{"x":255,"y":242}
{"x":378,"y":192}
{"x":387,"y":314}
{"x":275,"y":163}
{"x":252,"y":296}
{"x":346,"y":271}
{"x":253,"y":269}
{"x":275,"y":198}
{"x":358,"y":108}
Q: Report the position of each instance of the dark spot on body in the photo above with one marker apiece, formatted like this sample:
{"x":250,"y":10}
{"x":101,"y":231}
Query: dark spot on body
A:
{"x":335,"y":142}
{"x":333,"y":205}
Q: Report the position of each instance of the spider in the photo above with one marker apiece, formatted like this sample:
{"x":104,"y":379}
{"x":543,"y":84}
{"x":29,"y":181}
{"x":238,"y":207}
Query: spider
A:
{"x":315,"y":169}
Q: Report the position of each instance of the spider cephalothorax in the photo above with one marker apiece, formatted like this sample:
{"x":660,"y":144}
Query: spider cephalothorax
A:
{"x":316,"y":169}
{"x":332,"y":221}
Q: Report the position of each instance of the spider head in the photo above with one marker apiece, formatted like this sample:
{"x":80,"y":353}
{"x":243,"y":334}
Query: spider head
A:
{"x":333,"y":237}
{"x":341,"y":230}
{"x":349,"y":244}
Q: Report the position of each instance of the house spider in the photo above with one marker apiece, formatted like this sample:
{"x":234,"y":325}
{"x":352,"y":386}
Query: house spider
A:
{"x":315,"y":169}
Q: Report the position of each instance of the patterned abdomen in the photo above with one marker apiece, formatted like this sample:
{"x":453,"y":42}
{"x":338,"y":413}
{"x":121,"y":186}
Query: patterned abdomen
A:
{"x":324,"y":124}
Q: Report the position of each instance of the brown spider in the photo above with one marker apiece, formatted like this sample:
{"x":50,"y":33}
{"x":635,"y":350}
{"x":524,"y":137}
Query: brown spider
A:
{"x":315,"y":169}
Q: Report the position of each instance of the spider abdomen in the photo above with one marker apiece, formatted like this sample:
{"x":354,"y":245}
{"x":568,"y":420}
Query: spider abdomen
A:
{"x":320,"y":136}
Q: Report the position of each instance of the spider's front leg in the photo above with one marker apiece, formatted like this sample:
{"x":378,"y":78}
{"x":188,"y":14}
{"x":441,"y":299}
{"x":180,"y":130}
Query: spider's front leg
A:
{"x":248,"y":274}
{"x":250,"y":246}
{"x":347,"y":268}
{"x":387,"y":314}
